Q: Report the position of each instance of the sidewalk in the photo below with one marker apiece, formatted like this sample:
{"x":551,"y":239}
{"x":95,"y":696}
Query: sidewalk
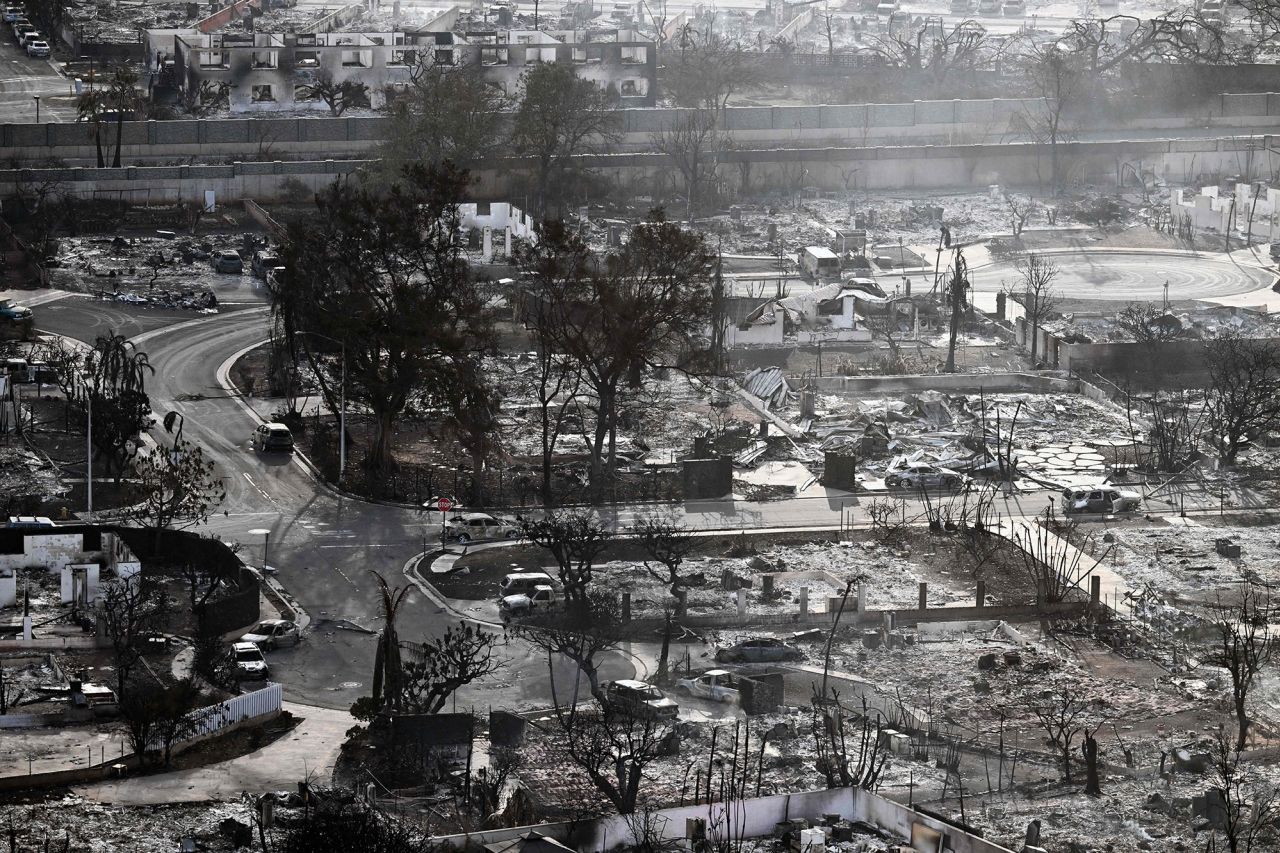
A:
{"x":311,"y":749}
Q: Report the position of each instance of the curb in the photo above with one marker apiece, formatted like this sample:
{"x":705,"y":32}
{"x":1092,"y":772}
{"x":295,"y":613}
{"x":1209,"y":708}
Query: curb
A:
{"x":410,"y":571}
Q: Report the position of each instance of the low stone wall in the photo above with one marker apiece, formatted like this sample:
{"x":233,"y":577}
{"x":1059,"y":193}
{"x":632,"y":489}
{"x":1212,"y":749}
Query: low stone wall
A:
{"x":955,"y":383}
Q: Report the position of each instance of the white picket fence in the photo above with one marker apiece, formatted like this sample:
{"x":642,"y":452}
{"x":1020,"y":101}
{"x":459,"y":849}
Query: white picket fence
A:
{"x":247,"y":706}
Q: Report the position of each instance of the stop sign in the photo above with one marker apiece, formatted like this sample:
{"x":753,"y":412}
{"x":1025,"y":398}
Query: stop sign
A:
{"x":444,"y":504}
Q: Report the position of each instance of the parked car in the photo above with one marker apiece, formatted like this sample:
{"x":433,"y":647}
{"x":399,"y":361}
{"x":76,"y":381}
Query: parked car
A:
{"x":27,"y":36}
{"x":522,"y":582}
{"x":22,"y":25}
{"x":524,"y":603}
{"x":923,"y":476}
{"x":250,"y":664}
{"x":12,"y":13}
{"x":961,"y":7}
{"x":273,"y":437}
{"x":1015,"y":8}
{"x":1103,"y":499}
{"x":479,"y":526}
{"x":758,"y":650}
{"x":640,"y":700}
{"x":273,"y":633}
{"x":718,"y":685}
{"x":989,"y":7}
{"x":228,"y":262}
{"x":262,"y":261}
{"x":38,"y":49}
{"x":13,"y":312}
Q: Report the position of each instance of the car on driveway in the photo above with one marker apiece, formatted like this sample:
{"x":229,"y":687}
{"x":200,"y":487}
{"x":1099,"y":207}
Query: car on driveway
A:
{"x":640,"y":700}
{"x":250,"y":664}
{"x":273,"y":437}
{"x":1104,"y":500}
{"x":228,"y":262}
{"x":758,"y":650}
{"x":479,"y":527}
{"x":272,"y":633}
{"x":923,"y":476}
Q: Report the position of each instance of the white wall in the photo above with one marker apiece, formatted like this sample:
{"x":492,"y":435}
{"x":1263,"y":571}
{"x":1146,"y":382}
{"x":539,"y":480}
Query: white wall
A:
{"x":8,"y":588}
{"x":750,"y":819}
{"x":53,"y":551}
{"x":91,"y":577}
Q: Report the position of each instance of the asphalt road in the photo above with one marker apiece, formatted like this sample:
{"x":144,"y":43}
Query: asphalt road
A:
{"x":22,"y":78}
{"x":322,"y":544}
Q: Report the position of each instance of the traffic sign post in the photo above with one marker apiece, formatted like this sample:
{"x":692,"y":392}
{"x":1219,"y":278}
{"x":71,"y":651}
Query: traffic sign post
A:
{"x":444,"y":505}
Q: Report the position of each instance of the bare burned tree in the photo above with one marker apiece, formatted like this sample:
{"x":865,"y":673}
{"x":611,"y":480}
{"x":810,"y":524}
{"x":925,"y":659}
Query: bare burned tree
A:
{"x":1149,"y":325}
{"x":583,"y":635}
{"x":847,"y":756}
{"x":129,"y":609}
{"x":1251,"y":804}
{"x":338,"y":95}
{"x":938,"y":50}
{"x":1063,"y":712}
{"x":707,"y":69}
{"x":666,"y":542}
{"x":1105,"y":45}
{"x":575,"y":539}
{"x":1243,"y":648}
{"x":1054,"y":570}
{"x":1244,"y":390}
{"x":613,"y":748}
{"x":1020,"y":210}
{"x":556,"y":378}
{"x":1056,"y":77}
{"x":438,"y":668}
{"x":1038,"y":297}
{"x":692,"y":143}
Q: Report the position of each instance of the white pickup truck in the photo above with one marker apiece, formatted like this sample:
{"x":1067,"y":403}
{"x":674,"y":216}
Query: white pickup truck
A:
{"x":718,"y":685}
{"x":523,"y":604}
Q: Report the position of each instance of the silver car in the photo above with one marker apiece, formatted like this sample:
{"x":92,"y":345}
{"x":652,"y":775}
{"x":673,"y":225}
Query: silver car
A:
{"x":271,"y":633}
{"x":1105,"y":500}
{"x":923,"y":476}
{"x":478,"y":527}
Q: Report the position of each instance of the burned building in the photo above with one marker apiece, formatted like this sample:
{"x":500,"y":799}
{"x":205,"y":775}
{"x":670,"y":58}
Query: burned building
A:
{"x":269,"y":72}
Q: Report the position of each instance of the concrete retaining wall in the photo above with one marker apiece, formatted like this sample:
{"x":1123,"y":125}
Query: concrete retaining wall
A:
{"x":782,"y":170}
{"x":836,"y":125}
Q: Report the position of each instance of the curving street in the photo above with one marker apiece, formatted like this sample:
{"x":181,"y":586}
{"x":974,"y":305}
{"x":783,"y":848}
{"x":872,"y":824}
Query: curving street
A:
{"x":1126,"y":277}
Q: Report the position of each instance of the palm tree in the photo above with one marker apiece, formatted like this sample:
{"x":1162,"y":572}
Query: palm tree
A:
{"x":89,"y":108}
{"x":123,"y":97}
{"x":386,"y":662}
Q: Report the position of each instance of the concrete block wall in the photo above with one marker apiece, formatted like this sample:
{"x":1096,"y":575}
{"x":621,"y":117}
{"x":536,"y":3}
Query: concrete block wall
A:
{"x":888,"y":167}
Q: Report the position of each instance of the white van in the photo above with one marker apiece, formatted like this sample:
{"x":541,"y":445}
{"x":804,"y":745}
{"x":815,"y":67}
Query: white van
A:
{"x":521,"y":583}
{"x":820,"y":262}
